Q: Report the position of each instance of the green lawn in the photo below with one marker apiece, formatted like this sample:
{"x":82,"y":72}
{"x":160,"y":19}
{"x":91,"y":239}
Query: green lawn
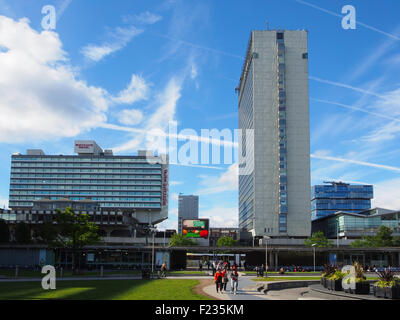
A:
{"x":165,"y":289}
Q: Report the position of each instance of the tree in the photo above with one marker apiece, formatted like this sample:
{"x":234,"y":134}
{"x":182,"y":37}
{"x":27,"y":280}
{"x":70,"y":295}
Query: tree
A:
{"x":46,"y":233}
{"x":383,"y":238}
{"x":74,"y":231}
{"x":318,"y":238}
{"x":178,"y":240}
{"x":23,"y":233}
{"x":4,"y":232}
{"x":226,"y":242}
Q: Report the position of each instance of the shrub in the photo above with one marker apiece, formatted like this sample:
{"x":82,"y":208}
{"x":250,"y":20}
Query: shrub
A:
{"x":387,"y":278}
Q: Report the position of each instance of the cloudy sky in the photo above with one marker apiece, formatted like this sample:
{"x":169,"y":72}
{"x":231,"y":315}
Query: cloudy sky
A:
{"x":115,"y":71}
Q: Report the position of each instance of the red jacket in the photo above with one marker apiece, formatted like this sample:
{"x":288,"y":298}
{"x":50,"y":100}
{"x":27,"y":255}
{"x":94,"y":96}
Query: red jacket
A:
{"x":218,"y":277}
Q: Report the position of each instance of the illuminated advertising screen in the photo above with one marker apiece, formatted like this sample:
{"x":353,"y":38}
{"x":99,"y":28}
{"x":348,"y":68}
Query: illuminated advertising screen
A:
{"x":195,"y":228}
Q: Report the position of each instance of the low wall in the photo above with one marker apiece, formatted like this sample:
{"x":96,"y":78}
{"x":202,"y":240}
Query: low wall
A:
{"x":281,"y":285}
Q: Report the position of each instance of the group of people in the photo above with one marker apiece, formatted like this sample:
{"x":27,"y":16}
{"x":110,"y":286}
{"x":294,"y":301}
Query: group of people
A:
{"x":221,"y":279}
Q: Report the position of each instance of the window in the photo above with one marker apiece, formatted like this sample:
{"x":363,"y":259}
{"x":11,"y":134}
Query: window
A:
{"x":279,"y":35}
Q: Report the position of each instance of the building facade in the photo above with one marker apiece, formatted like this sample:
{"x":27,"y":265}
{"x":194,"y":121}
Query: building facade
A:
{"x":188,"y":208}
{"x":339,"y":196}
{"x":216,"y":233}
{"x":347,"y":225}
{"x":135,"y":185}
{"x":274,"y":185}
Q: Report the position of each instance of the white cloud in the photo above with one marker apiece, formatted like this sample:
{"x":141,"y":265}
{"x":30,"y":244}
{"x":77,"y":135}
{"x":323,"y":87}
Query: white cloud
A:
{"x":136,"y":90}
{"x":130,"y":117}
{"x":119,"y":38}
{"x":144,"y":18}
{"x":221,"y":217}
{"x":386,"y":194}
{"x":167,"y":101}
{"x":3,"y":203}
{"x":227,"y":181}
{"x":175,"y":183}
{"x":41,"y":96}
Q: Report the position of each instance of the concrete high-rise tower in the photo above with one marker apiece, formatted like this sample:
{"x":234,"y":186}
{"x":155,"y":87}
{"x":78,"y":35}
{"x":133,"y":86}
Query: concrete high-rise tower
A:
{"x":188,"y":208}
{"x":274,"y":195}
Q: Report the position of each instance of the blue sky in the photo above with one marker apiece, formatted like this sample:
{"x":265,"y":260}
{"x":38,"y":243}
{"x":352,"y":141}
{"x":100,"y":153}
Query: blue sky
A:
{"x":110,"y":67}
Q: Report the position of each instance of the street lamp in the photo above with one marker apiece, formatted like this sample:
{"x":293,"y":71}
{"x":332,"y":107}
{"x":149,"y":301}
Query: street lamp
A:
{"x":266,"y":255}
{"x":153,"y":231}
{"x":313,"y":245}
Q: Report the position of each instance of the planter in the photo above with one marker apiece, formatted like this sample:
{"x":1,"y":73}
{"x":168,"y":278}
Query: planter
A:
{"x":387,"y":292}
{"x":335,"y":285}
{"x":323,"y":282}
{"x":361,"y":288}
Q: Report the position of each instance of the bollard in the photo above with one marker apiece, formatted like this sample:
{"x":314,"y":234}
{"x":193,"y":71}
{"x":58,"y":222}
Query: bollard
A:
{"x":16,"y":271}
{"x":101,"y":271}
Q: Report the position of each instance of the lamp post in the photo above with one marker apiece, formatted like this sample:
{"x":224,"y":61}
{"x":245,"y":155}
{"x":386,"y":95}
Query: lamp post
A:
{"x":266,"y":255}
{"x":153,"y":231}
{"x":313,"y":245}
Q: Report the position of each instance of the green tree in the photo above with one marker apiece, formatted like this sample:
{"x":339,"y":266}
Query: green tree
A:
{"x":383,"y":238}
{"x":23,"y":233}
{"x":46,"y":233}
{"x":226,"y":242}
{"x":4,"y":232}
{"x":74,"y":231}
{"x":178,"y":240}
{"x":319,"y":239}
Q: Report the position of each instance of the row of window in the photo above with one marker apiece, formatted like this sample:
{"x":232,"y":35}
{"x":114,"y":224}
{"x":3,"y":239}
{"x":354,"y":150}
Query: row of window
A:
{"x":80,"y":165}
{"x":80,"y":176}
{"x":89,"y":193}
{"x":23,"y":170}
{"x":96,"y":182}
{"x":105,"y":204}
{"x":88,"y":187}
{"x":92,"y":198}
{"x":81,"y":159}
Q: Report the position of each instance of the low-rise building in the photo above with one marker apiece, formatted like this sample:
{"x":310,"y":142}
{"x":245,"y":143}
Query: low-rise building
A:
{"x":348,"y":225}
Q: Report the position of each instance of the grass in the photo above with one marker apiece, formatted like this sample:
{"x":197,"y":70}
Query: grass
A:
{"x":165,"y":289}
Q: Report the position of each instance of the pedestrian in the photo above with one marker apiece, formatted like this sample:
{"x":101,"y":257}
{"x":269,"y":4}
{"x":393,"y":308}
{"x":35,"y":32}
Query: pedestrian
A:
{"x":234,"y":281}
{"x":213,"y":267}
{"x":224,"y":279}
{"x":164,"y":270}
{"x":200,"y":266}
{"x":218,"y":280}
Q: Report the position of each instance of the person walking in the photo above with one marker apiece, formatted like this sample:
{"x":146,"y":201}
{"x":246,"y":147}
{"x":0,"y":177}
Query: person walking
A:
{"x":234,"y":281}
{"x":224,"y":279}
{"x":213,"y":267}
{"x":163,"y":270}
{"x":218,"y":280}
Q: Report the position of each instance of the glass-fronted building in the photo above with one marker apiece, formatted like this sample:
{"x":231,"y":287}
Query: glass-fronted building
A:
{"x":346,"y":225}
{"x":338,"y":196}
{"x":135,"y":184}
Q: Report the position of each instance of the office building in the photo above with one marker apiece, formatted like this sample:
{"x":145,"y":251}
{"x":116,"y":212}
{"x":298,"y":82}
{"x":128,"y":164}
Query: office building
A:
{"x":216,"y":233}
{"x":135,"y":185}
{"x":338,"y":196}
{"x":188,"y":209}
{"x":274,"y":185}
{"x":348,"y":225}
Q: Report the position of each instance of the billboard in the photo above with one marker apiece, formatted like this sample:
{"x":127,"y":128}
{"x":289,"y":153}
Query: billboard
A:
{"x":195,"y":228}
